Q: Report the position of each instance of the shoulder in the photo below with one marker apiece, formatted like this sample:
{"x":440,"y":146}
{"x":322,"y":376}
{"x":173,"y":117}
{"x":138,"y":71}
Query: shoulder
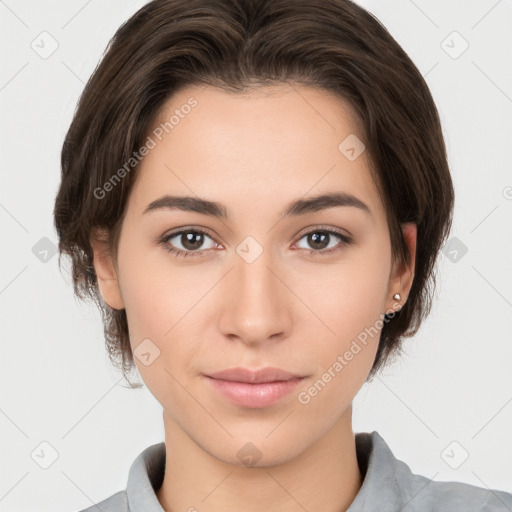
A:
{"x":420,"y":493}
{"x":118,"y":502}
{"x":389,"y":485}
{"x":144,"y":477}
{"x":425,"y":494}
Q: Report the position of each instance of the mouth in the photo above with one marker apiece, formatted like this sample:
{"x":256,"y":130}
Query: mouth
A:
{"x":254,"y":389}
{"x":267,"y":374}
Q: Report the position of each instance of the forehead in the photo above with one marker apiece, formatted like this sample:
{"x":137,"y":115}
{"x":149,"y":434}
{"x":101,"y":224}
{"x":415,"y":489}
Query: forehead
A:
{"x":267,"y":146}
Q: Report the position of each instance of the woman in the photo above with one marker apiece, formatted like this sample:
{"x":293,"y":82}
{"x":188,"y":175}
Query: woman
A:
{"x":255,"y":192}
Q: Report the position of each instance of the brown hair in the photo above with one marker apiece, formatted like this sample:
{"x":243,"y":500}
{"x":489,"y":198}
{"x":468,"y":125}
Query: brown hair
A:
{"x":334,"y":45}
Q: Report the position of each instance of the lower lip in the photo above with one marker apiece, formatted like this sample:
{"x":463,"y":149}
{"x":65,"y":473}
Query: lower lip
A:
{"x":254,"y":395}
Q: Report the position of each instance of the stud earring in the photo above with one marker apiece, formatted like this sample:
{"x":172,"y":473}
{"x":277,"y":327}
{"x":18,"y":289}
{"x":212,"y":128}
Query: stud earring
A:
{"x":397,"y":297}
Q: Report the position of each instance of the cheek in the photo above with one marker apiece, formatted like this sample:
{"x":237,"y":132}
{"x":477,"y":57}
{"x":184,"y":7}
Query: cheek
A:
{"x":164,"y":306}
{"x":343,"y":358}
{"x":156,"y":291}
{"x":342,"y":366}
{"x":344,"y":300}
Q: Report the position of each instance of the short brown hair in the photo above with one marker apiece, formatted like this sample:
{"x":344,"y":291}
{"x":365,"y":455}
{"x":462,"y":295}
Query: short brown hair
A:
{"x":334,"y":45}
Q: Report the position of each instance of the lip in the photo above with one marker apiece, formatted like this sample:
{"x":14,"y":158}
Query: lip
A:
{"x":254,"y":389}
{"x":267,"y":374}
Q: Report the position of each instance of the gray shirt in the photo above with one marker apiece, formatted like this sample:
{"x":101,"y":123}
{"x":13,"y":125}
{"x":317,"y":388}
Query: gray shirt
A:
{"x":388,"y":486}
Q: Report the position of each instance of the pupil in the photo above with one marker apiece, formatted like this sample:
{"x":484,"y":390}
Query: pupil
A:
{"x":189,"y":237}
{"x":315,"y":238}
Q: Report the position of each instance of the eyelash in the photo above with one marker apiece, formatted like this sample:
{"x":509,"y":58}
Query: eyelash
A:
{"x":345,"y":240}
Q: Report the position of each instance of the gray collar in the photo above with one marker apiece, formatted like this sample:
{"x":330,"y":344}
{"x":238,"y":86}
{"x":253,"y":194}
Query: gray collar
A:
{"x":374,"y":457}
{"x":388,"y":484}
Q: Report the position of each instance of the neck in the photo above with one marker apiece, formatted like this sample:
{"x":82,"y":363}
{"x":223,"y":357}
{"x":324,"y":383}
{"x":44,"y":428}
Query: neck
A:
{"x":325,"y":476}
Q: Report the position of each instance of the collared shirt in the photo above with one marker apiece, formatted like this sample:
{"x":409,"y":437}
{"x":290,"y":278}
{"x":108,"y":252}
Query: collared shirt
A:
{"x":388,"y":485}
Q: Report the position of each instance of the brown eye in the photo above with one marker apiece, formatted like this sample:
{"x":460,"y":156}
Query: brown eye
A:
{"x":187,"y":242}
{"x":191,"y":240}
{"x":319,"y":239}
{"x":323,"y":241}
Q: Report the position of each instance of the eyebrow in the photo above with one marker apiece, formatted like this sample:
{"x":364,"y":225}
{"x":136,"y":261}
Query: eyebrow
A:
{"x":294,"y":209}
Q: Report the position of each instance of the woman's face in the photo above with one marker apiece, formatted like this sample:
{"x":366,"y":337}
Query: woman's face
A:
{"x":304,"y":292}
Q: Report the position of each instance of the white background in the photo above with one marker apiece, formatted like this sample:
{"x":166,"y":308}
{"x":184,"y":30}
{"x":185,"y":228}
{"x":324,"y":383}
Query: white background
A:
{"x":56,"y":383}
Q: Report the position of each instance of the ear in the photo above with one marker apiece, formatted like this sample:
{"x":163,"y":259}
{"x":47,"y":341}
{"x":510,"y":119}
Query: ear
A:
{"x":402,"y":275}
{"x":106,"y":273}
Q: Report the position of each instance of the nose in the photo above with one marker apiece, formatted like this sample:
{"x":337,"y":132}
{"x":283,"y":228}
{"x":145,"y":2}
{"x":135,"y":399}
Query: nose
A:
{"x":256,"y":302}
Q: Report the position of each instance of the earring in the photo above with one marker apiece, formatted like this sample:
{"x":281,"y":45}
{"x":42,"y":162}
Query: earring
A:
{"x":397,"y":297}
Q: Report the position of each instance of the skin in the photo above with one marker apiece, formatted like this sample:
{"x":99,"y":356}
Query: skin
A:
{"x":255,"y":153}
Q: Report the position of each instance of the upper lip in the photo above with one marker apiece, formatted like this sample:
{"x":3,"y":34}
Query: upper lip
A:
{"x":267,"y":374}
